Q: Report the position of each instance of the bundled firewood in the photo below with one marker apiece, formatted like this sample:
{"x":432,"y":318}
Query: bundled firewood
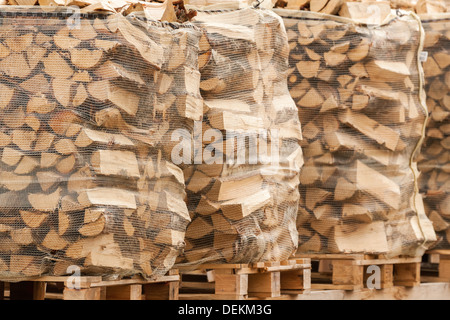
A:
{"x":372,"y":9}
{"x":165,"y":10}
{"x":434,"y":161}
{"x":360,"y":101}
{"x":206,"y":5}
{"x":243,"y":187}
{"x":86,"y":174}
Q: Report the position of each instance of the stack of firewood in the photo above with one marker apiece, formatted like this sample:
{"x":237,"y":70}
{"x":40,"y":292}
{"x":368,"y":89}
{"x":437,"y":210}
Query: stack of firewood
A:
{"x":243,"y":194}
{"x":358,"y":94}
{"x":434,"y":162}
{"x":86,"y":174}
{"x":163,"y":10}
{"x":359,"y":8}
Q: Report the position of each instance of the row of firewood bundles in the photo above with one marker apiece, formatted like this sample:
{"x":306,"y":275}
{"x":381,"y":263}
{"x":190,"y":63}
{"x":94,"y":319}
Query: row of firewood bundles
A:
{"x":360,"y":97}
{"x":102,"y":125}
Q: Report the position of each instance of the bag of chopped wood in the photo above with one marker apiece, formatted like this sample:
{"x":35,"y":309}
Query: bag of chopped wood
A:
{"x":434,"y":159}
{"x":359,"y":93}
{"x":86,"y":176}
{"x":364,"y":9}
{"x":243,"y":185}
{"x":211,"y":5}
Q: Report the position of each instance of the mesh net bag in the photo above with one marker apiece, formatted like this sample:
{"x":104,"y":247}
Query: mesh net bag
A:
{"x":242,"y":189}
{"x":360,"y":100}
{"x":213,"y":5}
{"x":434,"y":161}
{"x":86,"y":174}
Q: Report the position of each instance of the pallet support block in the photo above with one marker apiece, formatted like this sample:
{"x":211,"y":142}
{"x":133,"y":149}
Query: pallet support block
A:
{"x":346,"y":273}
{"x":231,"y":284}
{"x":434,"y":258}
{"x":27,"y":290}
{"x":407,"y":275}
{"x":264,"y":285}
{"x":295,"y":281}
{"x":387,"y":276}
{"x":162,"y":291}
{"x":444,"y":267}
{"x":125,"y":292}
{"x":82,"y":294}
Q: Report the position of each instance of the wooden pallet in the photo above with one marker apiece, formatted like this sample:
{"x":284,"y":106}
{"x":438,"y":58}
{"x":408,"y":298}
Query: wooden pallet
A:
{"x":246,"y":281}
{"x":436,"y":266}
{"x":93,"y":288}
{"x":426,"y":291}
{"x":359,"y":271}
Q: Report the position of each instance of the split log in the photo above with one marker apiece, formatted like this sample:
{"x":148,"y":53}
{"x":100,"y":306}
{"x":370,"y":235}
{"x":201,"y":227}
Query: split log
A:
{"x":362,"y":115}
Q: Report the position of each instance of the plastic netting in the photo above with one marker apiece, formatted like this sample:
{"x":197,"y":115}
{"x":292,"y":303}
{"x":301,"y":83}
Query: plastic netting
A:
{"x":242,"y":189}
{"x":212,"y":5}
{"x":88,"y":105}
{"x":359,"y":93}
{"x":434,"y":161}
